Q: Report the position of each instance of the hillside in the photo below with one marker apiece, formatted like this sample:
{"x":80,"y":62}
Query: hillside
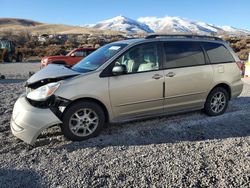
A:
{"x":4,"y":22}
{"x":35,"y":28}
{"x":25,"y":33}
{"x":121,"y":25}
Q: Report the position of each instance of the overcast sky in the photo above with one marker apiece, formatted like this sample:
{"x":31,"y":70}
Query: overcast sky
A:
{"x":79,"y":12}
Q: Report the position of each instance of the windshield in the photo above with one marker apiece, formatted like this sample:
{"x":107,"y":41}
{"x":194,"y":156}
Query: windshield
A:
{"x":98,"y":58}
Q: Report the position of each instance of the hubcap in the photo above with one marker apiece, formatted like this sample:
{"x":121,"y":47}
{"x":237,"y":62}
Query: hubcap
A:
{"x":83,"y":122}
{"x":218,"y":102}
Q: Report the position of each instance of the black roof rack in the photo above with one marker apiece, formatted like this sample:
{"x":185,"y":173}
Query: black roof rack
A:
{"x":188,"y":36}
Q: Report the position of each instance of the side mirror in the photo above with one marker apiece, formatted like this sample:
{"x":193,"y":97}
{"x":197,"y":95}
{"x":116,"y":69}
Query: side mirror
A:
{"x":119,"y":70}
{"x":73,"y":55}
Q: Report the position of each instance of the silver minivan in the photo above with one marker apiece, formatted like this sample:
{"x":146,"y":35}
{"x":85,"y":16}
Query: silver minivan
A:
{"x":127,"y":80}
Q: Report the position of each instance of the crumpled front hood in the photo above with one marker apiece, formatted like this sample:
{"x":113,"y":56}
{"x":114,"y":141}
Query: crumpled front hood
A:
{"x":51,"y":72}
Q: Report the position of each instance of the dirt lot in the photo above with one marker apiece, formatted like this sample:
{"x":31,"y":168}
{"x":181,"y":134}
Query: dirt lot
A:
{"x":18,"y":70}
{"x":187,"y":150}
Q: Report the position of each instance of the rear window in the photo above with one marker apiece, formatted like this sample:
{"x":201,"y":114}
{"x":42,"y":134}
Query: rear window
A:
{"x":218,"y":53}
{"x":182,"y":54}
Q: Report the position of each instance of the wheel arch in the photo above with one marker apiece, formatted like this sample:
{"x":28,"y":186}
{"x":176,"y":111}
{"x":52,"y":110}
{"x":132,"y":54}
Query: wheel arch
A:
{"x":98,"y":102}
{"x":224,"y":86}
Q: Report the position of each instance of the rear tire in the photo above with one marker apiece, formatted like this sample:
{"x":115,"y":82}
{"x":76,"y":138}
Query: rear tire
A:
{"x":82,"y":120}
{"x":217,"y":102}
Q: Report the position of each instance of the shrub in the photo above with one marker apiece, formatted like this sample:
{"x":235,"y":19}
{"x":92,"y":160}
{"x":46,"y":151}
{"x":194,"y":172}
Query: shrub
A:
{"x":54,"y":50}
{"x":243,"y":54}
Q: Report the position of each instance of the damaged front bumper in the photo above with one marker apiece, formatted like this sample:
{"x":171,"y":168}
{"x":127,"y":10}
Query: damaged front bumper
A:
{"x":27,"y":121}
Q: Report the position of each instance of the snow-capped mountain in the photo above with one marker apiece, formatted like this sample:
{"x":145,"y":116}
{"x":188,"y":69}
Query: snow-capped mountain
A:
{"x":124,"y":24}
{"x":234,"y":30}
{"x":166,"y":24}
{"x":176,"y":24}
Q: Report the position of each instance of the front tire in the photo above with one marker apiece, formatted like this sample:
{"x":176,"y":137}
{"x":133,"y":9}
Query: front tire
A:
{"x":217,"y":102}
{"x":83,"y":120}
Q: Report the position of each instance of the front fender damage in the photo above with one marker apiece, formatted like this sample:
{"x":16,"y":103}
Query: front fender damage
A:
{"x":28,"y":121}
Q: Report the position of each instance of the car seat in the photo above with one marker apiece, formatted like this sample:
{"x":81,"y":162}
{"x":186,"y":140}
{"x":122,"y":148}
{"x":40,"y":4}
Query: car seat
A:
{"x":149,"y":63}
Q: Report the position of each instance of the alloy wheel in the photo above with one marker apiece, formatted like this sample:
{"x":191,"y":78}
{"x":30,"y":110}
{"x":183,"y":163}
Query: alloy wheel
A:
{"x":218,"y":102}
{"x":83,"y":122}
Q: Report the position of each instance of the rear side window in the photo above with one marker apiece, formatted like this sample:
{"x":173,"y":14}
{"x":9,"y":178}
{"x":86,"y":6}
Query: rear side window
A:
{"x":183,"y":54}
{"x":218,"y":53}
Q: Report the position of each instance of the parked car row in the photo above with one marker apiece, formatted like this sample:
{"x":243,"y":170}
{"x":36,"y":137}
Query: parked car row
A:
{"x":127,"y":80}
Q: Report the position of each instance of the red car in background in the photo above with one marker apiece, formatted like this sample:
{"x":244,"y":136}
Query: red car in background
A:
{"x":70,"y":59}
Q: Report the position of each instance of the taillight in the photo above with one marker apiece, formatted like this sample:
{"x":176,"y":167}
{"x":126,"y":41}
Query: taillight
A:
{"x":240,"y":65}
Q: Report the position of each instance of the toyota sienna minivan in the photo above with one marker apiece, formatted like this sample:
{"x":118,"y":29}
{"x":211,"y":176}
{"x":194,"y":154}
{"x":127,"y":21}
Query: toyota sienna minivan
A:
{"x":127,"y":80}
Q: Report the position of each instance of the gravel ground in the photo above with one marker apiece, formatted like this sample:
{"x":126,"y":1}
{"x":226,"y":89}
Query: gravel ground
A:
{"x":18,"y":70}
{"x":187,"y":150}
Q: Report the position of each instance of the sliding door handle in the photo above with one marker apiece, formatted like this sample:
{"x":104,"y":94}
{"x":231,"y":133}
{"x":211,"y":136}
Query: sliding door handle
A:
{"x":170,"y":74}
{"x":157,"y":76}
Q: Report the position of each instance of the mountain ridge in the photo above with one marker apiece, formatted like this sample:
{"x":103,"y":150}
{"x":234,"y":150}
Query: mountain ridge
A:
{"x":164,"y":25}
{"x":124,"y":25}
{"x":18,"y":21}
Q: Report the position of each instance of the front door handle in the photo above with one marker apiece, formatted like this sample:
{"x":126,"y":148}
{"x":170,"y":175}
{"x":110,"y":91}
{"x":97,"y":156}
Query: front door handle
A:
{"x":170,"y":74}
{"x":157,"y":76}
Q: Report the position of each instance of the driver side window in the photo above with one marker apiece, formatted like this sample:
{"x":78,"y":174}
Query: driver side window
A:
{"x":140,"y":58}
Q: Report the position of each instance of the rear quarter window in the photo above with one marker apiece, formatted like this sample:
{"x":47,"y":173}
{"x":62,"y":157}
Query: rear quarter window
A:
{"x":218,"y":53}
{"x":183,"y":54}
